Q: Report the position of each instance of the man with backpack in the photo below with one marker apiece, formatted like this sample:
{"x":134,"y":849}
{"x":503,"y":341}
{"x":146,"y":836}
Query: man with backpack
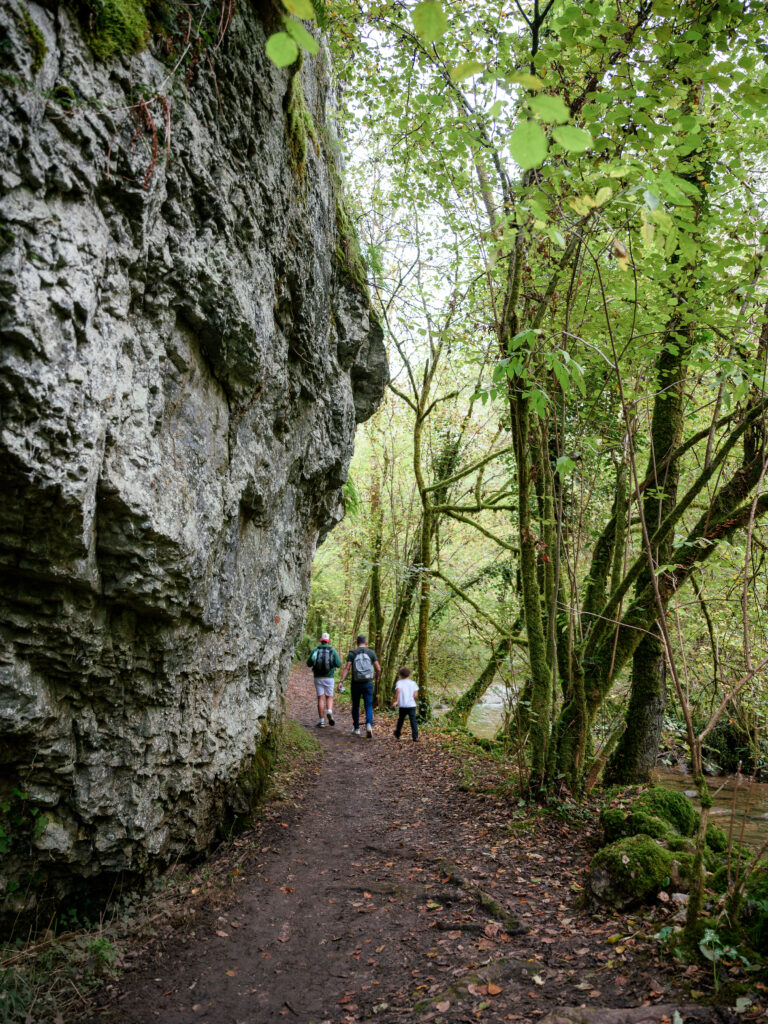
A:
{"x":365,"y":670}
{"x":323,"y":661}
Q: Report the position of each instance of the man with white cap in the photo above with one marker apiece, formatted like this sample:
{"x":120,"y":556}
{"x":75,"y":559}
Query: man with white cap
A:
{"x":323,"y":661}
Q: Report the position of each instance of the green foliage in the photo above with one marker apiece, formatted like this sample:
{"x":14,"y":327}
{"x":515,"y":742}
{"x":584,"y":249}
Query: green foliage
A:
{"x":429,"y":20}
{"x":43,"y":984}
{"x":581,"y":198}
{"x":283,"y":48}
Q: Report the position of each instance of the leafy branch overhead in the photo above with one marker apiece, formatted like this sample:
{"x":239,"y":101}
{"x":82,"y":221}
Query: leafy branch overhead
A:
{"x":283,"y":47}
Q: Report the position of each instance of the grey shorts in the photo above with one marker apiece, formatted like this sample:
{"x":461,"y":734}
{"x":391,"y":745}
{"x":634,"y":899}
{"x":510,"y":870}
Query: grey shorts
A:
{"x":324,"y":687}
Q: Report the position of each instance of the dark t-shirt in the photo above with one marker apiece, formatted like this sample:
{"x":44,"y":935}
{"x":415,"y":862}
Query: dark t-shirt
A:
{"x":335,"y":662}
{"x":371,"y":654}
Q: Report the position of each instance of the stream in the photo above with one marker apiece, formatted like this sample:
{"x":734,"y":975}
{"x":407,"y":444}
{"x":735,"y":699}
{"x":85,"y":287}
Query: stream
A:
{"x":751,"y":797}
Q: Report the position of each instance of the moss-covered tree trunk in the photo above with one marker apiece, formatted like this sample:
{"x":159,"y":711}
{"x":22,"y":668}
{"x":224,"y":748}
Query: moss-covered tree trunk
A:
{"x":635,"y":753}
{"x":375,"y":613}
{"x":541,"y":676}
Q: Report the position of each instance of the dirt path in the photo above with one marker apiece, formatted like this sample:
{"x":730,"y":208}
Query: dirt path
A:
{"x":387,"y":892}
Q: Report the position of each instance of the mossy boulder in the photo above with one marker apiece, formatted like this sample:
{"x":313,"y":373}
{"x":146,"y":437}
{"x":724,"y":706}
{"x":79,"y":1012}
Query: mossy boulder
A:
{"x":657,"y":812}
{"x":717,"y":840}
{"x":671,"y":806}
{"x":630,"y":871}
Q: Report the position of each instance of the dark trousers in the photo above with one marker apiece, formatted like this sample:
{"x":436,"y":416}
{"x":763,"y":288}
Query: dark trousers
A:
{"x":364,"y":691}
{"x":402,"y":714}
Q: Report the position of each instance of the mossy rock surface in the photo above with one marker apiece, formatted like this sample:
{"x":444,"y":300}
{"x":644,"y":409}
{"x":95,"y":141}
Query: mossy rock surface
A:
{"x":114,"y":27}
{"x":641,"y":822}
{"x":671,"y":806}
{"x":614,"y":823}
{"x":657,"y":812}
{"x":630,"y":871}
{"x":717,"y":840}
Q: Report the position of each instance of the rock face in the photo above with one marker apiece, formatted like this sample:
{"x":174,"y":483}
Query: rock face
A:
{"x":185,"y":355}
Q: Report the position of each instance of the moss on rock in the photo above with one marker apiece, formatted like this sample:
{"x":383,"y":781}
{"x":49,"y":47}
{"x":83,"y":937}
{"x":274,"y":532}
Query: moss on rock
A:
{"x":641,"y":822}
{"x":299,"y":125}
{"x":717,"y":840}
{"x":113,"y":27}
{"x":35,"y":37}
{"x":348,"y":254}
{"x":671,"y":806}
{"x":613,"y":821}
{"x":632,"y":870}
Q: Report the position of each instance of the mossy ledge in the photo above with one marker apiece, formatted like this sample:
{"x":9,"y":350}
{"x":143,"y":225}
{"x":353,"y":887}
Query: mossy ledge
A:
{"x":114,"y":27}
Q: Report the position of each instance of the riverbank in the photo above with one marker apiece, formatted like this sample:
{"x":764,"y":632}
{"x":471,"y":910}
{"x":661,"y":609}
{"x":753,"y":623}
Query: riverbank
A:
{"x":397,"y":881}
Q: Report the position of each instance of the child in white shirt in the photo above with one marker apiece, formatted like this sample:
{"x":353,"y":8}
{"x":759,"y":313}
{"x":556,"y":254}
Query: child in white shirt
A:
{"x":405,"y":701}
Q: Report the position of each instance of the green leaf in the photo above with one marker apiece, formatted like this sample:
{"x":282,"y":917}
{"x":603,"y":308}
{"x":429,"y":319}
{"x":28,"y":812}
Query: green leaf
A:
{"x":301,"y":8}
{"x":651,"y":200}
{"x":429,"y":20}
{"x":575,"y":140}
{"x":603,"y":195}
{"x":467,"y":69}
{"x":528,"y":145}
{"x":299,"y":33}
{"x":549,"y":108}
{"x":564,"y":465}
{"x":281,"y":49}
{"x":529,"y":81}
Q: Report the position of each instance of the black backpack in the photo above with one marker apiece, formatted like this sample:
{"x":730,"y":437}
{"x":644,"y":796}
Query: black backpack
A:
{"x":362,"y":667}
{"x":323,"y":662}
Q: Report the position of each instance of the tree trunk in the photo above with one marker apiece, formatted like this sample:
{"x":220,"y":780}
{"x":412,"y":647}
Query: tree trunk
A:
{"x":634,"y":758}
{"x":425,"y":704}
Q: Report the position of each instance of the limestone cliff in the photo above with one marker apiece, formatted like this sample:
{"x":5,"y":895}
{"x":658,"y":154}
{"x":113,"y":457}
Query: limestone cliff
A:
{"x":187,"y":347}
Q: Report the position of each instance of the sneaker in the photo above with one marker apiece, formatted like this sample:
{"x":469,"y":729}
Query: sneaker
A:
{"x":321,"y":723}
{"x":396,"y":735}
{"x":355,"y":732}
{"x":369,"y":730}
{"x":331,"y":719}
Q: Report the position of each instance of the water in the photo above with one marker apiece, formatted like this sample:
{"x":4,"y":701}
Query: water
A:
{"x":751,"y":802}
{"x":751,"y":797}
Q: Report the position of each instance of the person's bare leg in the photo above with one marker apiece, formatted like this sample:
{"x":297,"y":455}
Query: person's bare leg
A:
{"x":321,"y":705}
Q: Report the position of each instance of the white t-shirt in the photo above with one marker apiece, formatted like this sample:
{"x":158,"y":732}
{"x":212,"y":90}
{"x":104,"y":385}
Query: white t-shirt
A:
{"x":407,"y":688}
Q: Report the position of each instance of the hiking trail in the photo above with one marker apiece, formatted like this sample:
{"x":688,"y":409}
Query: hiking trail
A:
{"x":389,"y":888}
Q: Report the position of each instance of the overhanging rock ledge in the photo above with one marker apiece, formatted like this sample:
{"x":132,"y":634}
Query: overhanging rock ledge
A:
{"x":182,"y":369}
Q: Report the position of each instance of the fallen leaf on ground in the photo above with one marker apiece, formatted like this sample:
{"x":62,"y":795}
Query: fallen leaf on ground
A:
{"x":222,"y":935}
{"x":494,"y":990}
{"x":443,"y":1005}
